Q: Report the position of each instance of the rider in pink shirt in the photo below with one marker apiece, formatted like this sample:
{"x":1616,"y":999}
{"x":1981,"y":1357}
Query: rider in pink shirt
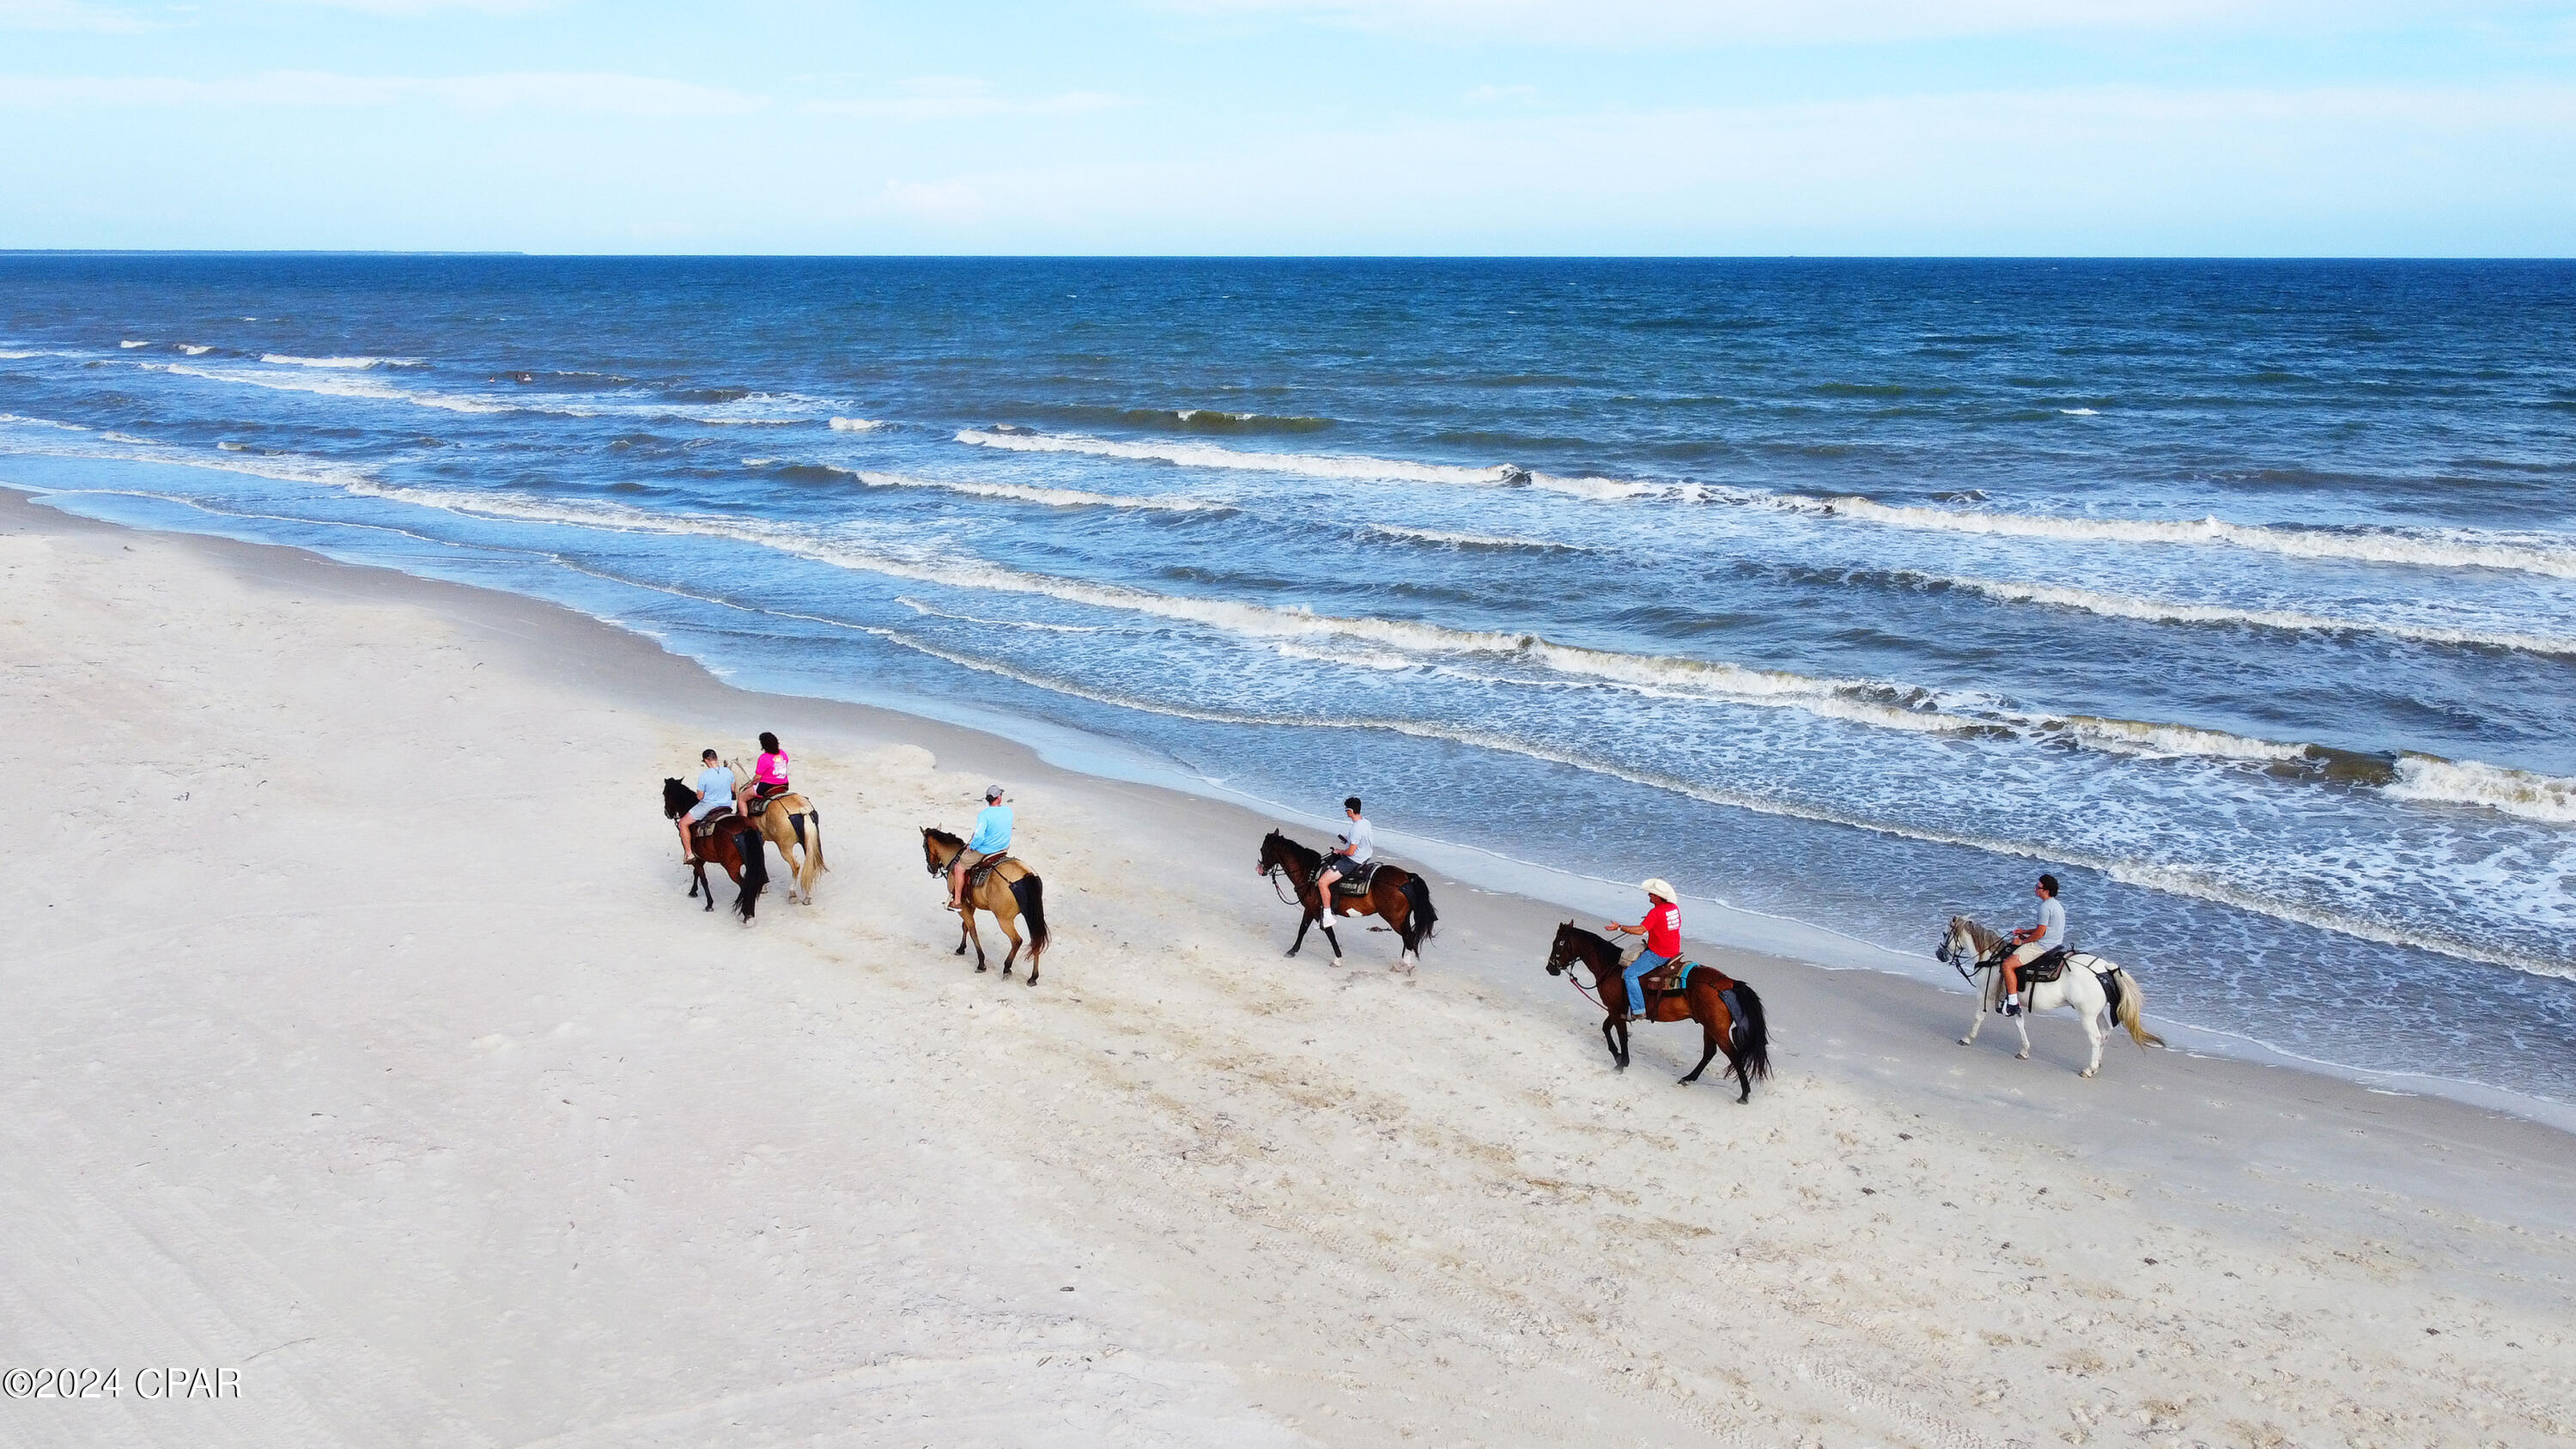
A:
{"x":768,"y":775}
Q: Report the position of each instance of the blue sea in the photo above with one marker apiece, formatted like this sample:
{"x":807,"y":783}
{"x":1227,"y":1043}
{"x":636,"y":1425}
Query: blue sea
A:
{"x":2241,"y":595}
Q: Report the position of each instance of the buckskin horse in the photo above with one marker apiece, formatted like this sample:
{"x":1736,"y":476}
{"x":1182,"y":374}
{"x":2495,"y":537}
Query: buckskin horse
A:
{"x":791,"y":823}
{"x":1397,"y":896}
{"x":727,"y":841}
{"x":1704,"y":997}
{"x":2087,"y":985}
{"x":1007,"y":889}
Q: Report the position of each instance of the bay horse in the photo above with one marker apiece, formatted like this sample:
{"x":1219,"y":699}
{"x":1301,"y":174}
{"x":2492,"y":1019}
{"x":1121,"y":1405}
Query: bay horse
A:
{"x":2094,"y":989}
{"x":1008,"y":891}
{"x":731,"y":844}
{"x":1397,"y":896}
{"x":1743,"y":1035}
{"x":791,"y":823}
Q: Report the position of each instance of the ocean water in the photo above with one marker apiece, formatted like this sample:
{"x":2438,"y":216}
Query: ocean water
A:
{"x":2240,"y":595}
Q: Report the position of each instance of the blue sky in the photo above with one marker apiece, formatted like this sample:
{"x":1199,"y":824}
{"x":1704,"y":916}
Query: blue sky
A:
{"x":1989,"y":127}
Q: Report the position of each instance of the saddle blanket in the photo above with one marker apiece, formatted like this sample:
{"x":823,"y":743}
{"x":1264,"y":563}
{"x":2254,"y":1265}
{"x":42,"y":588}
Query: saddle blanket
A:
{"x":707,"y":827}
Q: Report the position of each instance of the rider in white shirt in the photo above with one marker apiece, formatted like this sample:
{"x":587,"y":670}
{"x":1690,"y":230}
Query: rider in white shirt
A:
{"x":1356,"y":849}
{"x":2035,"y":941}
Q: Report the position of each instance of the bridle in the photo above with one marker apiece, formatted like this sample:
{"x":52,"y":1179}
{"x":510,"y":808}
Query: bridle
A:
{"x":1957,"y":959}
{"x":1561,"y":957}
{"x":1276,"y":872}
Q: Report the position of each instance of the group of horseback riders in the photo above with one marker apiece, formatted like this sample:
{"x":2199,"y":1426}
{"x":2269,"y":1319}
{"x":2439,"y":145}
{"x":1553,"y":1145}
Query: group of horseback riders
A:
{"x":1350,"y":880}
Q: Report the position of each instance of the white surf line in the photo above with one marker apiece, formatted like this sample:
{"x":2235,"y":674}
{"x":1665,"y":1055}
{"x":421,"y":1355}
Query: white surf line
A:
{"x":1827,"y":698}
{"x":2458,"y":548}
{"x":2178,"y":880}
{"x":2125,"y":606}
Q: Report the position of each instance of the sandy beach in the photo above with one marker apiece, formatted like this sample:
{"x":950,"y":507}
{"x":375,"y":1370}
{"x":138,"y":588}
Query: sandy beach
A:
{"x":364,"y":1044}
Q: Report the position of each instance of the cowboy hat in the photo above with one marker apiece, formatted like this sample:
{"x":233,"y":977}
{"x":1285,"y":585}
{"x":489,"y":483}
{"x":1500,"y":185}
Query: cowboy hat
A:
{"x":1661,"y":889}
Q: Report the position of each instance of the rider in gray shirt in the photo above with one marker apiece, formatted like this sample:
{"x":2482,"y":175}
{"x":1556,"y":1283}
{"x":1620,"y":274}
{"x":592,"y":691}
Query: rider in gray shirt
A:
{"x":2036,"y":941}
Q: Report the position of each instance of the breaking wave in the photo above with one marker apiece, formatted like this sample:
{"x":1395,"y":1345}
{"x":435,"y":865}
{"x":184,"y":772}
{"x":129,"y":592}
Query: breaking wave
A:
{"x":2447,"y":548}
{"x":2431,"y":780}
{"x":855,"y":425}
{"x":1204,"y":455}
{"x":1017,"y":492}
{"x":2163,"y":611}
{"x":1447,"y":539}
{"x":350,"y":364}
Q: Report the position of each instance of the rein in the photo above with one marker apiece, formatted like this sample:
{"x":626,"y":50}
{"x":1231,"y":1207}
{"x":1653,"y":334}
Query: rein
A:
{"x":1566,"y":969}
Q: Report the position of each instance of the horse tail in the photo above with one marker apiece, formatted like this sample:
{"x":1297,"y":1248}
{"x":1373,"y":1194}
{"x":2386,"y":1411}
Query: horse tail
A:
{"x":2129,"y":1012}
{"x":816,"y":844}
{"x":1425,"y":916}
{"x":1755,"y":1056}
{"x":755,"y":873}
{"x":1030,"y":893}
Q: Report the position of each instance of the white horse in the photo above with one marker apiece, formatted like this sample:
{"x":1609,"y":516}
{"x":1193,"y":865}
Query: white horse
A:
{"x":2082,"y":989}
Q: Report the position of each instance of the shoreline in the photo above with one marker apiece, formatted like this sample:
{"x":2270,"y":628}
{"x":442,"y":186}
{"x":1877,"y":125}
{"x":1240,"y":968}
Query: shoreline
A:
{"x":383,"y":1058}
{"x":1756,"y":934}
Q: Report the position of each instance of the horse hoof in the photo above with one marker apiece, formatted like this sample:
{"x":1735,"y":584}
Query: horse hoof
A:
{"x":2021,"y":1056}
{"x":1963,"y":1041}
{"x":979,"y":970}
{"x":2087,"y":1072}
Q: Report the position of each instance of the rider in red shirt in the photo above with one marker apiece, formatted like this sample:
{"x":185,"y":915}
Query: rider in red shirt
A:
{"x":1662,"y":929}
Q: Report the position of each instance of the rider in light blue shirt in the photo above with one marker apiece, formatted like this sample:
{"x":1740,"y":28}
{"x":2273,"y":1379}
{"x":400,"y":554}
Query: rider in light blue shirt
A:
{"x":992,"y":837}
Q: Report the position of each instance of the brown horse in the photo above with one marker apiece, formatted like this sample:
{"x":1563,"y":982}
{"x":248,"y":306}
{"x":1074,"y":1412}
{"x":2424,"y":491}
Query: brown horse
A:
{"x":1398,"y":897}
{"x":730,"y":844}
{"x":791,"y":823}
{"x":1009,"y":891}
{"x":1708,"y":996}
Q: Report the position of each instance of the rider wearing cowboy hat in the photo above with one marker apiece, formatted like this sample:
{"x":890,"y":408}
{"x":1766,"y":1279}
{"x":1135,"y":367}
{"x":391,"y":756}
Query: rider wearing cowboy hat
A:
{"x":2034,"y":941}
{"x":1662,"y":929}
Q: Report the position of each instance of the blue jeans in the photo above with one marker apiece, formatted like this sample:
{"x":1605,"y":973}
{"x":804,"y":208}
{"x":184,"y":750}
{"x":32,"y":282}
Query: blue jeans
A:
{"x":1646,"y":961}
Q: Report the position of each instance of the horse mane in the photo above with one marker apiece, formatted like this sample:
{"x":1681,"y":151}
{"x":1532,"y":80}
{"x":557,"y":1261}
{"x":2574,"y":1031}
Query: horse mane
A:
{"x":1985,"y":939}
{"x":676,"y":795}
{"x":1295,"y":851}
{"x":1595,"y":937}
{"x":943,"y":837}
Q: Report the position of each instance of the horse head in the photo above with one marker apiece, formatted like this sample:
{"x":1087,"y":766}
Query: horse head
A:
{"x":677,"y":798}
{"x":1573,"y":943}
{"x":938,"y":847}
{"x":1278,"y":852}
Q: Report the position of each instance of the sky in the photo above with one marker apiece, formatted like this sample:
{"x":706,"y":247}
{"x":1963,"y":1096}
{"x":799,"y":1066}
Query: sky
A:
{"x":1338,"y":127}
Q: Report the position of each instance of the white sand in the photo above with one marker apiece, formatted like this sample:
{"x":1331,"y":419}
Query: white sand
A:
{"x":360,"y":1040}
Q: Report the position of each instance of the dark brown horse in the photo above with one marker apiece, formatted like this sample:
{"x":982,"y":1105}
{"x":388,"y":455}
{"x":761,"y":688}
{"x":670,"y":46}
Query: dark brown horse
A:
{"x":1010,"y":891}
{"x":731,"y":844}
{"x":1398,"y":897}
{"x":1728,"y":1013}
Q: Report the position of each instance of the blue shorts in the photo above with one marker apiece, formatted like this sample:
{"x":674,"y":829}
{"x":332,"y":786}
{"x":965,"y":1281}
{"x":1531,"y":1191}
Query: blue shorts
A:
{"x":705,"y":808}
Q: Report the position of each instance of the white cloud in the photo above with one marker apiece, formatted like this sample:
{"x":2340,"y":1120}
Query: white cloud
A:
{"x":955,"y":98}
{"x":67,"y":15}
{"x":584,"y":92}
{"x":1639,"y":22}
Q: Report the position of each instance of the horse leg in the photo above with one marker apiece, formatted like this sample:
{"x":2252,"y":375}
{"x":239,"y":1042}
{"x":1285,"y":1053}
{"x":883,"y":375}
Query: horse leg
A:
{"x":1332,"y":940}
{"x":1011,"y":932}
{"x":972,"y":935}
{"x":2029,"y":1008}
{"x":1976,"y":1023}
{"x":1402,"y":920}
{"x":2093,"y":1015}
{"x":1608,"y":1023}
{"x":1708,"y":1039}
{"x":1305,"y":923}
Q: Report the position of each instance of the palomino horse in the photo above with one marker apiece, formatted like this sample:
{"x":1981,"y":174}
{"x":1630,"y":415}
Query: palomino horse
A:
{"x":730,"y":844}
{"x":1399,"y":897}
{"x":791,"y":823}
{"x":1009,"y":891}
{"x":1742,"y":1035}
{"x":2081,"y":989}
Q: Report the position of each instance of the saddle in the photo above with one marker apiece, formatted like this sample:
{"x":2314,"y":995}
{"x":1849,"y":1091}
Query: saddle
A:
{"x":720,"y":816}
{"x":1665,"y":1000}
{"x":976,"y":873}
{"x":2046,"y":967}
{"x":1355,"y":880}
